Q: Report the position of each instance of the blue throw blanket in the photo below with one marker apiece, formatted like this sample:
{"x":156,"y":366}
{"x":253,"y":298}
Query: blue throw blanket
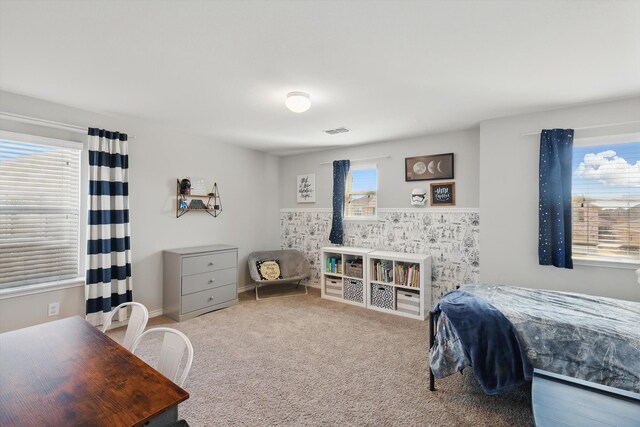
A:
{"x":490,"y":341}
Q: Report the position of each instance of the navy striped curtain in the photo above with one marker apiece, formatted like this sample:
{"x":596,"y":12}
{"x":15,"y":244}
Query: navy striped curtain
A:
{"x":554,"y":213}
{"x":108,"y":281}
{"x":340,"y":171}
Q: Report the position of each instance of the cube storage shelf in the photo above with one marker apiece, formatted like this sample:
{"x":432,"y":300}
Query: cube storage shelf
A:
{"x":400,"y":283}
{"x":391,"y":282}
{"x":344,"y":274}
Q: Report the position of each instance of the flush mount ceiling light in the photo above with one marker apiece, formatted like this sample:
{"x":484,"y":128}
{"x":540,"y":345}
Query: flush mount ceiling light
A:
{"x":298,"y":102}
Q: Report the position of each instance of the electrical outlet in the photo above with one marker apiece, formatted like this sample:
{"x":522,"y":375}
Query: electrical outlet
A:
{"x":54,"y":308}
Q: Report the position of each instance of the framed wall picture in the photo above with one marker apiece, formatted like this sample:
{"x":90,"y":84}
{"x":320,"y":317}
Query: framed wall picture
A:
{"x":426,"y":168}
{"x":306,"y":188}
{"x":443,"y":194}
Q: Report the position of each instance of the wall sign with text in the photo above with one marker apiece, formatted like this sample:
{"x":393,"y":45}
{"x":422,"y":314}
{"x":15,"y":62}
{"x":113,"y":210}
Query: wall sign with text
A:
{"x":443,"y":194}
{"x":306,"y":188}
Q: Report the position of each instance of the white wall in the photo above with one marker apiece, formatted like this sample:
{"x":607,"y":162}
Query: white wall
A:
{"x":157,"y":157}
{"x":254,"y":186}
{"x":509,"y":201}
{"x":393,"y":191}
{"x":436,"y":231}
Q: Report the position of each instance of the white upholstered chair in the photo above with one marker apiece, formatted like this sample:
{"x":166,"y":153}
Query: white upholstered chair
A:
{"x":137,"y":322}
{"x":174,"y":345}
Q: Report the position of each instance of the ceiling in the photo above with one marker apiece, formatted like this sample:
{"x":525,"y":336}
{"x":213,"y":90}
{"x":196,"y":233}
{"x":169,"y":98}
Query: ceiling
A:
{"x":384,"y":69}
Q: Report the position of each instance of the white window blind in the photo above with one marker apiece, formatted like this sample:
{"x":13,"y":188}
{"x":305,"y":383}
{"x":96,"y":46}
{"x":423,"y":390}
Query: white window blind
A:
{"x":361,"y":192}
{"x":606,"y":200}
{"x":39,"y":212}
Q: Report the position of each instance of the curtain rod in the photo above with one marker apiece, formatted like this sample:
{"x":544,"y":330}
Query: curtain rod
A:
{"x":360,"y":160}
{"x":47,"y":123}
{"x":590,"y":127}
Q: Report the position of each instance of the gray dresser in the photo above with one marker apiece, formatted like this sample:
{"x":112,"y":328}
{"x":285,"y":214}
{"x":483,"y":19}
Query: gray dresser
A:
{"x":199,"y":279}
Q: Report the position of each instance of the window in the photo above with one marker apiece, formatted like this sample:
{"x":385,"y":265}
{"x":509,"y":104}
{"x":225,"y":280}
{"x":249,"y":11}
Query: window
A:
{"x":39,"y":209}
{"x":361,"y":193}
{"x":606,"y":199}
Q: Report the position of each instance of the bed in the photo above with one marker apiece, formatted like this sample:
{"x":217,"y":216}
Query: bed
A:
{"x":504,"y":332}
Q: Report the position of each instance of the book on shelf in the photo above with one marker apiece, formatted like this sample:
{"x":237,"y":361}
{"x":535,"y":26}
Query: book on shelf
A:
{"x":383,"y":270}
{"x":333,"y":265}
{"x":407,"y":275}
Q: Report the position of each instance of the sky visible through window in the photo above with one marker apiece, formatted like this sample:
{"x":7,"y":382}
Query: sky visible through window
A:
{"x":610,"y":171}
{"x":364,"y":180}
{"x":13,"y":150}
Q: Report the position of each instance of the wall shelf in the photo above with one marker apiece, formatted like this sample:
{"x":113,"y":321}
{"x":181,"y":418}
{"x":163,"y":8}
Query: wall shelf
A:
{"x":209,"y":203}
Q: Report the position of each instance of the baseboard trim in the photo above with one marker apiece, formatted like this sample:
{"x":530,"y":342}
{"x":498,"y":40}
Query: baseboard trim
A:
{"x":246,"y":288}
{"x":156,"y":313}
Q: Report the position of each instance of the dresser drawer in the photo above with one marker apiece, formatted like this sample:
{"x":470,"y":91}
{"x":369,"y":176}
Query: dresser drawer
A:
{"x":203,"y":281}
{"x":208,"y":262}
{"x":203,"y":299}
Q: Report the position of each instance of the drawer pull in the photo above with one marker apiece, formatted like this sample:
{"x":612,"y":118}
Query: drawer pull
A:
{"x":212,"y":280}
{"x":211,"y":263}
{"x":210,"y":298}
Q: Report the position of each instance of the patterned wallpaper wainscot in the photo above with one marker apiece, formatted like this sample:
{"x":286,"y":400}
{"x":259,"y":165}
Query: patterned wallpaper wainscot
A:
{"x":449,"y":235}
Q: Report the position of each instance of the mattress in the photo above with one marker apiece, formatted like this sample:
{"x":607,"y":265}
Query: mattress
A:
{"x":592,"y":338}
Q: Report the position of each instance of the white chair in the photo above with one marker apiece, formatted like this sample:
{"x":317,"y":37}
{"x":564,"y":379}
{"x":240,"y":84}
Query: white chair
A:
{"x":137,"y":322}
{"x":174,"y":345}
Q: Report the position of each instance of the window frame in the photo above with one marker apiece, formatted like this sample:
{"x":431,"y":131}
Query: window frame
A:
{"x":603,"y":260}
{"x":346,"y":194}
{"x":54,"y":283}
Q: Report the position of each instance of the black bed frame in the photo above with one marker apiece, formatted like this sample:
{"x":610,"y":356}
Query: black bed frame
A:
{"x":432,"y":340}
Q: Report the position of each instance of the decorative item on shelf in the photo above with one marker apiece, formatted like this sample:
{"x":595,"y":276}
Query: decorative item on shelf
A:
{"x":197,"y":204}
{"x":183,"y":202}
{"x":185,"y":186}
{"x":427,"y":168}
{"x":197,"y":185}
{"x":418,"y":197}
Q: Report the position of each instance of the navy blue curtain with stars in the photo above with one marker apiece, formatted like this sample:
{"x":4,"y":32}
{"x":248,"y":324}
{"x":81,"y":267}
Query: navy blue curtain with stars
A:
{"x":554,"y":238}
{"x":340,"y":171}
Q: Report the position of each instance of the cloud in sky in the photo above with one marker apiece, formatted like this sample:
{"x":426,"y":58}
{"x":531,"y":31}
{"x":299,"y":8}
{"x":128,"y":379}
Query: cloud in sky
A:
{"x":610,"y":169}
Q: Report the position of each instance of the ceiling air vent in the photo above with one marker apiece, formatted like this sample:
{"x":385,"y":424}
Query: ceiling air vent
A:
{"x":336,"y":131}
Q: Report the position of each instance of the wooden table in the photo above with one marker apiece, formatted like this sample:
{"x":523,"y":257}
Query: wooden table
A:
{"x":69,"y":373}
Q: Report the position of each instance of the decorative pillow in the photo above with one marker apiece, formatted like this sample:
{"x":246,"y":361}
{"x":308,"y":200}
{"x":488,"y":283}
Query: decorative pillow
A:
{"x":269,"y":269}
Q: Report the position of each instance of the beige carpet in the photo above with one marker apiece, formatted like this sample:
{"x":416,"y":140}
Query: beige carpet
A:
{"x":303,"y":360}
